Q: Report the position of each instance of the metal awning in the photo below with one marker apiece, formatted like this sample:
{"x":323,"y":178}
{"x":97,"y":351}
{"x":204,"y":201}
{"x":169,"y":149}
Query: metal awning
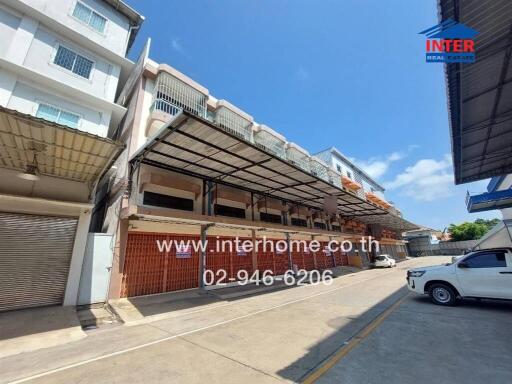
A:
{"x":194,"y":146}
{"x":480,"y":93}
{"x":56,"y":150}
{"x":489,"y":201}
{"x":391,"y":221}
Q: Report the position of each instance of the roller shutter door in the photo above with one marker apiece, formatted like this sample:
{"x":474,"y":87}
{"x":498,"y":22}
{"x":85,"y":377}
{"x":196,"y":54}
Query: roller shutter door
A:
{"x":35,"y":253}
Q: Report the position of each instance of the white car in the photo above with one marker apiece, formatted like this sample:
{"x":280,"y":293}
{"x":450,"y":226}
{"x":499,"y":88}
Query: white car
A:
{"x":484,"y":273}
{"x":384,"y":261}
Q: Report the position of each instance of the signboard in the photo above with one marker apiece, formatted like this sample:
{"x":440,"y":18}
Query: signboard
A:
{"x":184,"y":252}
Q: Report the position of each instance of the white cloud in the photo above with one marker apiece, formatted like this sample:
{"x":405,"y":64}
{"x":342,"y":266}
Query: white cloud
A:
{"x":176,"y":45}
{"x":377,"y":167}
{"x":426,"y":180}
{"x":302,"y":73}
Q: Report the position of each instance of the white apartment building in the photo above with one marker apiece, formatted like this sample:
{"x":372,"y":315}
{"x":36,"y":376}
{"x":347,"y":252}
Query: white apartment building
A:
{"x":336,"y":160}
{"x":60,"y":66}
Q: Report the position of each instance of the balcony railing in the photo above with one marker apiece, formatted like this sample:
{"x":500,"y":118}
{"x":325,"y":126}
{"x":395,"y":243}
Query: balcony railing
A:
{"x":319,"y":169}
{"x":172,"y":92}
{"x":233,"y":123}
{"x":270,"y":143}
{"x":164,"y":106}
{"x":298,"y":158}
{"x":335,"y":178}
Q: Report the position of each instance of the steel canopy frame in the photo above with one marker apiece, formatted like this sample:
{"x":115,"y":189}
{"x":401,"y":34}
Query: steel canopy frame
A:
{"x":194,"y":146}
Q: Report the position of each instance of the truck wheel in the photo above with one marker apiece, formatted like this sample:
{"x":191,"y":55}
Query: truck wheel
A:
{"x":442,"y":294}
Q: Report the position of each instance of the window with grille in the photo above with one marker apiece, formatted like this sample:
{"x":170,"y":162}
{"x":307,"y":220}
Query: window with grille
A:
{"x":336,"y":228}
{"x":167,"y":201}
{"x":224,"y":210}
{"x":299,"y":222}
{"x":56,"y":115}
{"x":270,"y":218}
{"x":73,"y":62}
{"x":93,"y":19}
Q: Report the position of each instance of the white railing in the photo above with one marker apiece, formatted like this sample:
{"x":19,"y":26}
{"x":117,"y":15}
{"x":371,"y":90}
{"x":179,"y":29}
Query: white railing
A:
{"x":170,"y":91}
{"x":298,"y":158}
{"x":270,"y":143}
{"x":233,"y":123}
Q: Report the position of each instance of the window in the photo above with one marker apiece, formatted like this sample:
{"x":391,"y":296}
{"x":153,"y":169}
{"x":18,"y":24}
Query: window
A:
{"x":224,"y":210}
{"x":349,"y":174}
{"x":320,"y":225}
{"x":487,"y":260}
{"x":166,"y":201}
{"x":93,"y":19}
{"x":56,"y":115}
{"x":299,"y":222}
{"x":270,"y":218}
{"x":336,"y":228}
{"x":73,"y":62}
{"x":338,"y":167}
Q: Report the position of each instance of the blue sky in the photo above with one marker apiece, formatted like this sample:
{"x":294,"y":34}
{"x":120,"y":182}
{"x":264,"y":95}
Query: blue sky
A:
{"x":350,"y":74}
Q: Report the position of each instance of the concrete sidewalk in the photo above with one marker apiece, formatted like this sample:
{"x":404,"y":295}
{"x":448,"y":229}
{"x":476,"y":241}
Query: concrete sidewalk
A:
{"x":270,"y":337}
{"x":31,"y":329}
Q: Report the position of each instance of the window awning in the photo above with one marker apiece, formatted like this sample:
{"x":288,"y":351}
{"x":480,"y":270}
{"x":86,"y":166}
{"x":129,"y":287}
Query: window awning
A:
{"x":194,"y":146}
{"x":479,"y":93}
{"x":391,"y":221}
{"x":56,"y":150}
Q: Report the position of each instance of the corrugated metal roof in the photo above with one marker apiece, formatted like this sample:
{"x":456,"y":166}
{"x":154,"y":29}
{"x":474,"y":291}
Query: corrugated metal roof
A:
{"x":194,"y":146}
{"x":57,"y":150}
{"x":480,"y":93}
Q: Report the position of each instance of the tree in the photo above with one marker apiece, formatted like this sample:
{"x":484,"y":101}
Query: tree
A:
{"x":488,"y":223}
{"x":471,"y":231}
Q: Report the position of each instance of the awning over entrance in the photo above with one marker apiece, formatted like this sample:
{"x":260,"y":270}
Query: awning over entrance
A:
{"x":479,"y":93}
{"x":390,"y":221}
{"x":53,"y":149}
{"x":196,"y":147}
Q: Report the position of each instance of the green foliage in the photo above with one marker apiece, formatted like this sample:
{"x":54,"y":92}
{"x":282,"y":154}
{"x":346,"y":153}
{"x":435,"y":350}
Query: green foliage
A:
{"x":471,"y":231}
{"x":488,"y":223}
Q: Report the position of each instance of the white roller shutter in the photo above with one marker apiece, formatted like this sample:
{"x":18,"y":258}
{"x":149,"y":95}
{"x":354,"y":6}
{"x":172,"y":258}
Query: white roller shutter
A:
{"x":35,"y":253}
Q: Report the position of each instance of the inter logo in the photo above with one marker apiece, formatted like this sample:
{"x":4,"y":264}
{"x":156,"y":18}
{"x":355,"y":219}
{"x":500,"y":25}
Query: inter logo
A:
{"x":450,"y":42}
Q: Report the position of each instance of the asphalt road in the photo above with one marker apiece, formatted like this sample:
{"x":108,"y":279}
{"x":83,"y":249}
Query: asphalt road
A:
{"x":289,"y":335}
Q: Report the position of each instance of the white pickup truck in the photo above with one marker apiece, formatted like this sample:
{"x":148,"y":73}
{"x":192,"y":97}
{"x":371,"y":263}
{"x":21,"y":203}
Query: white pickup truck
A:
{"x":484,"y":273}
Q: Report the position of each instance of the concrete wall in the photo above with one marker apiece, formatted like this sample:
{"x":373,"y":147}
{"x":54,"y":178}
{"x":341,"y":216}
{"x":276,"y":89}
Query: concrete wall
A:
{"x":421,"y":246}
{"x":104,"y":75}
{"x":28,"y":49}
{"x":116,"y":31}
{"x":9,"y":23}
{"x":26,"y":99}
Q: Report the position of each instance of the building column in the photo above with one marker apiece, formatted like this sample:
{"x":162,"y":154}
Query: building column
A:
{"x":314,"y":253}
{"x":333,"y":253}
{"x":202,"y":255}
{"x":290,"y":260}
{"x":116,"y":274}
{"x":254,"y":254}
{"x":77,"y":257}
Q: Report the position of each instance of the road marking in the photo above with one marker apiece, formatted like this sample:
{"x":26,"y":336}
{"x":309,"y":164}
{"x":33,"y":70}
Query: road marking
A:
{"x":354,"y":341}
{"x":141,"y":346}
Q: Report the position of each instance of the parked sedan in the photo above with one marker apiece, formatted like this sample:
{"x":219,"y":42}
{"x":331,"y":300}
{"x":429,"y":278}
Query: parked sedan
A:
{"x":484,"y":274}
{"x":385,"y":261}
